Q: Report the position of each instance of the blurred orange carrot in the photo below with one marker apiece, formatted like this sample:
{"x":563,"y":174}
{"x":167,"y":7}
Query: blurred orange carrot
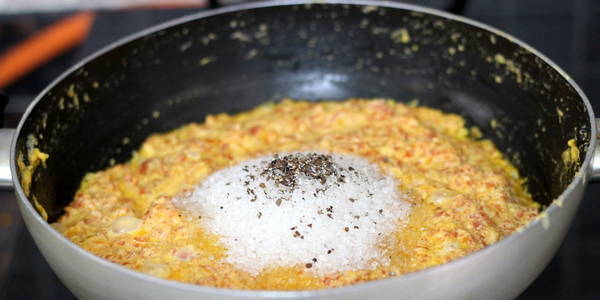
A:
{"x":43,"y":46}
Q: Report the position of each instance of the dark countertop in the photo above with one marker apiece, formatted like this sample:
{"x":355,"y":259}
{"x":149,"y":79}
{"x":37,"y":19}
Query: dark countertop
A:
{"x":565,"y":31}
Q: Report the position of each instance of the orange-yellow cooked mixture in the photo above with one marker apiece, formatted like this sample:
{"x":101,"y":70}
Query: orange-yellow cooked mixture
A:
{"x":462,"y":193}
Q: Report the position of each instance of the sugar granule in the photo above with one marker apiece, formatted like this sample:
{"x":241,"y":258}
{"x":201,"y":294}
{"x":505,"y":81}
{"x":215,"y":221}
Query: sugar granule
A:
{"x":325,"y":212}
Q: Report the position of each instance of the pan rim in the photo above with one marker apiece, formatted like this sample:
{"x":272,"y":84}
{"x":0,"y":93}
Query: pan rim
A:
{"x":581,"y":175}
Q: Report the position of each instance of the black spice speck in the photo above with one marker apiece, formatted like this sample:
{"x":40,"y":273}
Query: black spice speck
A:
{"x":284,"y":171}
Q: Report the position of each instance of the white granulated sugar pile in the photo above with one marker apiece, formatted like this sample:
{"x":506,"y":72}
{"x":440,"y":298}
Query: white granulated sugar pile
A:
{"x":326,"y":212}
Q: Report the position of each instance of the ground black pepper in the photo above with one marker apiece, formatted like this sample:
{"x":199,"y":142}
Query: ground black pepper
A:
{"x":285,"y":170}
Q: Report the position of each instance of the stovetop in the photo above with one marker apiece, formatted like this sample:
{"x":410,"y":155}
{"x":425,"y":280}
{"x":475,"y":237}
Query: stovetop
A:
{"x":566,"y":31}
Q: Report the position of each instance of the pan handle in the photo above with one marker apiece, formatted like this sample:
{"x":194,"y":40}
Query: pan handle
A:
{"x":596,"y":158}
{"x":5,"y":141}
{"x":6,"y":136}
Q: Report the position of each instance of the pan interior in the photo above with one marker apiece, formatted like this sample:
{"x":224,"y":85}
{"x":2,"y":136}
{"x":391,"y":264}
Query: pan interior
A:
{"x":102,"y":111}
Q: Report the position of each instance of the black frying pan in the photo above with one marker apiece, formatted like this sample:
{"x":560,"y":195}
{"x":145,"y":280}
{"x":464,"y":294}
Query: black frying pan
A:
{"x":318,"y":53}
{"x":235,"y":58}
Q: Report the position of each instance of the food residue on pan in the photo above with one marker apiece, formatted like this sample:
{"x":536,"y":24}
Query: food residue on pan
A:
{"x":28,"y":164}
{"x":570,"y":156}
{"x":206,"y":60}
{"x":301,"y":195}
{"x":510,"y":66}
{"x":400,"y":35}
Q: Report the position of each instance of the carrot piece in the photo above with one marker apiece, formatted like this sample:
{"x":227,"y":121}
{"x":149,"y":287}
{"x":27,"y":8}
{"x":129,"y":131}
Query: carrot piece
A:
{"x":43,"y":46}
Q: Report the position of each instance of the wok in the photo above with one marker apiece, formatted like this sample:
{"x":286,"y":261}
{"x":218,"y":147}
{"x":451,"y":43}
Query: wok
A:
{"x":232,"y":59}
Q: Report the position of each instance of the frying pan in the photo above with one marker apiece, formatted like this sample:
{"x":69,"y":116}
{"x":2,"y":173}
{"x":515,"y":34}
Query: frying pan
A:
{"x":234,"y":58}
